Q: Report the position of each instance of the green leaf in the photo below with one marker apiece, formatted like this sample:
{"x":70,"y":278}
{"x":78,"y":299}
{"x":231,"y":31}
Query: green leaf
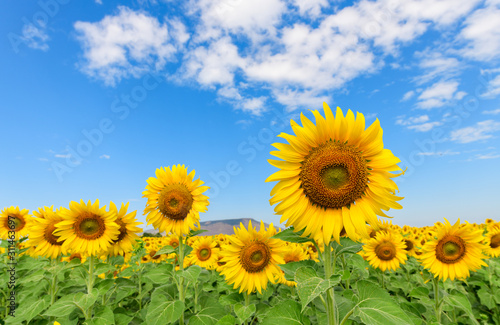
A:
{"x":63,"y":307}
{"x":293,"y":237}
{"x":346,"y":246}
{"x":486,"y":297}
{"x":103,"y":316}
{"x":244,"y":312}
{"x":163,"y":311}
{"x":310,"y":286}
{"x":29,"y":309}
{"x":381,"y":312}
{"x":286,"y":312}
{"x":210,"y":314}
{"x":459,"y":300}
{"x":121,"y":318}
{"x":370,"y":290}
{"x":191,"y":273}
{"x":105,"y":285}
{"x":84,"y":301}
{"x":103,"y":268}
{"x":376,"y":306}
{"x":165,"y":250}
{"x":196,"y":232}
{"x":159,"y":274}
{"x":227,"y":320}
{"x":231,"y":299}
{"x":292,"y":267}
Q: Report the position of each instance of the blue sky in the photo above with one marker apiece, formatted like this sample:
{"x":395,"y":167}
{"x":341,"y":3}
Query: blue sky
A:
{"x":98,"y":94}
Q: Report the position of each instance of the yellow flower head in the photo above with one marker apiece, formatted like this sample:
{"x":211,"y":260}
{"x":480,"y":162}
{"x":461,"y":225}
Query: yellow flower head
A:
{"x":386,"y":251}
{"x":175,"y":200}
{"x":252,"y":258}
{"x":334,"y":174}
{"x":453,"y":251}
{"x":14,"y":222}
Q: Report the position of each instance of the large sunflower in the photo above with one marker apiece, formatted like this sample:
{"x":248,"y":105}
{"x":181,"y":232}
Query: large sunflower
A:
{"x":252,"y":258}
{"x":205,"y":253}
{"x":128,"y":229}
{"x":386,"y":251}
{"x":14,"y":220}
{"x":334,"y":174}
{"x":453,"y":251}
{"x":41,"y":232}
{"x":175,"y":200}
{"x":86,"y":228}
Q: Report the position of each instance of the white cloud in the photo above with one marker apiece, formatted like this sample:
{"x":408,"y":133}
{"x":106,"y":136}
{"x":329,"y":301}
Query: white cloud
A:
{"x":493,"y":88}
{"x":62,"y":155}
{"x":43,"y":159}
{"x":310,"y":7}
{"x":425,"y":126}
{"x":408,"y":95}
{"x":418,"y":123}
{"x":481,"y":131}
{"x":488,"y":156}
{"x":104,"y":156}
{"x":262,"y":44}
{"x":435,"y":65}
{"x":492,"y":112}
{"x":126,"y":45}
{"x":98,"y":2}
{"x":482,"y":33}
{"x":439,"y":153}
{"x":412,"y":120}
{"x":35,"y":37}
{"x":439,"y":94}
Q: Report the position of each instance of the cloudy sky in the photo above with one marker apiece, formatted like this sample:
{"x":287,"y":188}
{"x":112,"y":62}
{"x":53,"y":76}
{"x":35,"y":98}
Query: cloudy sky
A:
{"x":98,"y":94}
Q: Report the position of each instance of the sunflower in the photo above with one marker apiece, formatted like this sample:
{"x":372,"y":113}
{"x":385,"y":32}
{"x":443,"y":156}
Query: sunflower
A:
{"x":14,"y":220}
{"x":205,"y":253}
{"x":42,"y":238}
{"x":86,"y":228}
{"x":334,"y":174}
{"x":175,"y":200}
{"x":252,"y":258}
{"x":453,"y":251}
{"x":493,"y":242}
{"x":127,"y":237}
{"x":293,"y":253}
{"x":410,"y":245}
{"x":386,"y":251}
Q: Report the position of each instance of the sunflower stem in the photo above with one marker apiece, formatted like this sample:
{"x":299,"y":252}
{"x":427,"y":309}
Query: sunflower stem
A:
{"x":330,"y":298}
{"x":53,"y":284}
{"x":90,"y":285}
{"x":181,"y":280}
{"x":437,"y":306}
{"x":247,"y":303}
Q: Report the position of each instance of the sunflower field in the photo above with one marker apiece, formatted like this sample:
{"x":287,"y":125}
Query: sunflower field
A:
{"x":335,"y":263}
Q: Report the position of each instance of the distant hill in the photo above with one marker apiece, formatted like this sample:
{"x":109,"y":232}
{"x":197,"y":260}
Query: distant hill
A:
{"x":216,"y":227}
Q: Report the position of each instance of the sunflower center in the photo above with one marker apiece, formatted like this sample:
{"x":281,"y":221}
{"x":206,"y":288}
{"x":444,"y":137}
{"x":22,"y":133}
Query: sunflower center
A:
{"x":153,"y":255}
{"x":19,"y":223}
{"x":50,"y":237}
{"x":204,"y":254}
{"x":75,"y":255}
{"x":123,"y":231}
{"x":174,"y":244}
{"x":89,"y":226}
{"x":255,"y":257}
{"x":175,"y":201}
{"x":385,"y":251}
{"x":495,"y":241}
{"x":409,"y":245}
{"x":291,"y":258}
{"x":450,"y":249}
{"x":334,"y":175}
